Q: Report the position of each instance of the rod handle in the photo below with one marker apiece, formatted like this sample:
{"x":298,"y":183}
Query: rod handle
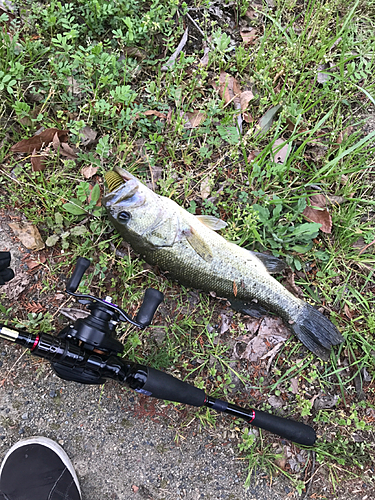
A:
{"x":163,"y":386}
{"x":289,"y":429}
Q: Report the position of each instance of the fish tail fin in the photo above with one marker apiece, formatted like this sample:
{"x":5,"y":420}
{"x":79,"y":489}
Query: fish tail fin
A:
{"x":316,"y":331}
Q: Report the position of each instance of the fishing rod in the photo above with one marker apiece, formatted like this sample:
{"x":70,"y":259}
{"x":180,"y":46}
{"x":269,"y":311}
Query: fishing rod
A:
{"x":87,"y":352}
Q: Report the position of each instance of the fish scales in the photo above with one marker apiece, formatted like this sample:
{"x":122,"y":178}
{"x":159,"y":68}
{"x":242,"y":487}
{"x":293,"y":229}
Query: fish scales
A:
{"x":185,"y":246}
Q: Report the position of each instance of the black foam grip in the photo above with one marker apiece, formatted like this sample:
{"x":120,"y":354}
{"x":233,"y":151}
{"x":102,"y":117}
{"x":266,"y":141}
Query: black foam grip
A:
{"x":288,"y":429}
{"x":79,"y":270}
{"x":152,"y":299}
{"x":164,"y":386}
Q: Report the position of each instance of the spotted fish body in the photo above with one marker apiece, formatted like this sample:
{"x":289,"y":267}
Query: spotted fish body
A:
{"x":192,"y":252}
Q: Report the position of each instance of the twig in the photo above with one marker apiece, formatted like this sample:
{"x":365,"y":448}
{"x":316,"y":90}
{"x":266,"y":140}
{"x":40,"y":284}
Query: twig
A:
{"x":176,"y":53}
{"x":309,"y":481}
{"x":366,"y":247}
{"x":199,"y":29}
{"x":11,"y":368}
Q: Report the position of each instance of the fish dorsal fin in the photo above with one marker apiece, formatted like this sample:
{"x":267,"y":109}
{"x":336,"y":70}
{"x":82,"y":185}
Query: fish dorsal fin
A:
{"x":271,"y":263}
{"x":199,"y":245}
{"x":211,"y":222}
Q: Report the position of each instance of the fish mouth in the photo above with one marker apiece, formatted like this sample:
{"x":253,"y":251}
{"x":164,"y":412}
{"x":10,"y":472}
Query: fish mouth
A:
{"x":116,"y":177}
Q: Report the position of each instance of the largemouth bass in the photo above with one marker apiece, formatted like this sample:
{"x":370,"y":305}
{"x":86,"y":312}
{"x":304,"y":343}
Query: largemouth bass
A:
{"x":188,"y":247}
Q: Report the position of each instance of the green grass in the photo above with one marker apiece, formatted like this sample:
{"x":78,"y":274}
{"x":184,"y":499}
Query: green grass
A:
{"x":71,"y":65}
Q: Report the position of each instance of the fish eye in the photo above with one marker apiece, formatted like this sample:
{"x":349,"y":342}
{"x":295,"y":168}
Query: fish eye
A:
{"x":124,"y":216}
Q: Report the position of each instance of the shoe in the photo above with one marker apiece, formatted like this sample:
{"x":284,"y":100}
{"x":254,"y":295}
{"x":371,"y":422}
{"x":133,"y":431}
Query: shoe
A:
{"x":37,"y":468}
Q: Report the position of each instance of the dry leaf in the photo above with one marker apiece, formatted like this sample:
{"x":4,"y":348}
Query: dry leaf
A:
{"x":322,"y":75}
{"x":345,"y":134}
{"x":229,"y":89}
{"x":28,"y":235}
{"x":251,"y":14}
{"x":272,"y":332}
{"x":156,"y":113}
{"x":265,"y":122}
{"x":32,"y":264}
{"x":280,"y":155}
{"x":14,"y":288}
{"x":56,"y":142}
{"x":205,"y":188}
{"x":38,"y":141}
{"x":348,"y":312}
{"x":252,"y":155}
{"x":133,"y":52}
{"x":67,"y":151}
{"x":37,"y":162}
{"x":87,"y":135}
{"x":195,"y":118}
{"x":248,"y":35}
{"x":89,"y":171}
{"x":245,"y":97}
{"x":176,"y":53}
{"x":320,"y":214}
{"x":225,"y":323}
{"x":204,"y":60}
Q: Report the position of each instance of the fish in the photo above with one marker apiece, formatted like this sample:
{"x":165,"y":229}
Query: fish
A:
{"x":191,"y":250}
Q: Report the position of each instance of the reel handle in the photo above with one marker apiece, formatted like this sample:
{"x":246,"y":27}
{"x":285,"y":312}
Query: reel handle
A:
{"x":152,"y":299}
{"x":81,"y":265}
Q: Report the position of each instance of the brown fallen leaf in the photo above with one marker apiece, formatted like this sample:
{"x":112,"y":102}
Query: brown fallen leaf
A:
{"x":280,"y":155}
{"x":87,"y":135}
{"x":291,"y":126}
{"x":133,"y":52}
{"x":32,"y":264}
{"x":248,"y":35}
{"x":67,"y":151}
{"x":205,"y":188}
{"x":245,"y":97}
{"x":344,"y":134}
{"x":38,"y":141}
{"x":19,"y":283}
{"x":89,"y":171}
{"x":271,"y":333}
{"x":155,"y":113}
{"x":38,"y":162}
{"x":229,"y":89}
{"x":348,"y":312}
{"x":206,"y":50}
{"x":195,"y":118}
{"x":319,"y":213}
{"x":252,"y":155}
{"x":28,"y":235}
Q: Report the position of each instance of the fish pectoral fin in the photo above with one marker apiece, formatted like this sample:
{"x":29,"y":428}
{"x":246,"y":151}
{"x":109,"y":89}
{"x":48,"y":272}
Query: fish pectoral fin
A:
{"x":252,"y":309}
{"x":164,"y":233}
{"x":211,"y":222}
{"x":199,"y":245}
{"x":271,"y":263}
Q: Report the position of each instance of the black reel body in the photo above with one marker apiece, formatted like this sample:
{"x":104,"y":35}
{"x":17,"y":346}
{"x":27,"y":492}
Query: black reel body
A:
{"x":96,"y":332}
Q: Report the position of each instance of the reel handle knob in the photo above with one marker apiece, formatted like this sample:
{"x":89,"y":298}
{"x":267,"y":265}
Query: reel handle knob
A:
{"x":81,"y":265}
{"x":152,"y":299}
